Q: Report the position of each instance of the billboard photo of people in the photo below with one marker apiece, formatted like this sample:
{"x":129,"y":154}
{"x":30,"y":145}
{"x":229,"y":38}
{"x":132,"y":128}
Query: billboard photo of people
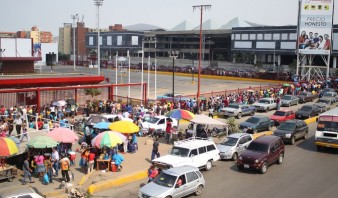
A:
{"x":315,"y":27}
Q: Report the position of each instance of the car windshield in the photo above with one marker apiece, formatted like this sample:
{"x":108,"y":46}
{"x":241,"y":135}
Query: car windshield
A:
{"x":303,"y":94}
{"x":152,"y":120}
{"x":229,"y":141}
{"x":328,"y":123}
{"x":165,"y":179}
{"x":287,"y":126}
{"x":306,"y":108}
{"x":259,"y":147}
{"x":233,"y":106}
{"x":178,"y":151}
{"x":327,"y":90}
{"x":324,"y":101}
{"x":264,"y":101}
{"x":286,"y":98}
{"x":279,"y":113}
{"x":253,"y":120}
{"x":328,"y":95}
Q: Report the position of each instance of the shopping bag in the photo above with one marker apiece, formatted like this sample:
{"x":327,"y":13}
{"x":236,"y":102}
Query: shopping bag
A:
{"x":45,"y":178}
{"x":53,"y":170}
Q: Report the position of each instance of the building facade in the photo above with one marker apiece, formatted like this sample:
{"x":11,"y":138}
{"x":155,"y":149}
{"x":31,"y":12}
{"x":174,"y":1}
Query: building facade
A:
{"x":64,"y":45}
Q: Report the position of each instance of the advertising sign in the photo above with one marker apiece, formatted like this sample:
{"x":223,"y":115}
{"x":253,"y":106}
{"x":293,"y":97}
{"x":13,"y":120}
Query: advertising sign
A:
{"x":315,"y":27}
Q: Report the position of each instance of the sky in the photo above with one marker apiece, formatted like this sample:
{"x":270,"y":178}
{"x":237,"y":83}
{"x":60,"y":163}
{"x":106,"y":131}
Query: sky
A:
{"x":50,"y":15}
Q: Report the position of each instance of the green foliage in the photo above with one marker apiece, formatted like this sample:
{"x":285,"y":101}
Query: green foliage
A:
{"x":92,"y":91}
{"x":64,"y":57}
{"x":219,"y":57}
{"x":233,"y":127}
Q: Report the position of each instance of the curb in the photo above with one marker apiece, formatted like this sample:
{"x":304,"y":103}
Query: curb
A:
{"x":54,"y":193}
{"x":85,"y":177}
{"x":123,"y":180}
{"x":311,"y":120}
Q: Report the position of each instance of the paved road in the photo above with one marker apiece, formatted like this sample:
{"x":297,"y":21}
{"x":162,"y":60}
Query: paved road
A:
{"x":183,"y":84}
{"x":304,"y":173}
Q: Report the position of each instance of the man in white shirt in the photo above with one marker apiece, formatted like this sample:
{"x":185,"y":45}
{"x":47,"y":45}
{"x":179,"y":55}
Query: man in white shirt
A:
{"x":18,"y":123}
{"x":55,"y":160}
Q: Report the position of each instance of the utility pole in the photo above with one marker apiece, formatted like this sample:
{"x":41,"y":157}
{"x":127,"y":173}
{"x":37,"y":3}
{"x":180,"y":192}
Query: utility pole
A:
{"x":201,"y":7}
{"x":98,"y":3}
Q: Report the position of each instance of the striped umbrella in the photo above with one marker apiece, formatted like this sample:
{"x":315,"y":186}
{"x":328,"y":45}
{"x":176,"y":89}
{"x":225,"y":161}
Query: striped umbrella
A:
{"x":7,"y":147}
{"x":180,"y":114}
{"x":106,"y":138}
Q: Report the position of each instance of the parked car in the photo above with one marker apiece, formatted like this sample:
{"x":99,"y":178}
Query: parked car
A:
{"x":324,"y":91}
{"x":305,"y":97}
{"x":159,"y":123}
{"x":237,"y":110}
{"x":256,"y":124}
{"x":233,"y":145}
{"x":197,"y":152}
{"x":166,"y":183}
{"x":289,"y":100}
{"x":261,"y":153}
{"x":332,"y":95}
{"x":282,"y":115}
{"x":22,"y":192}
{"x":308,"y":111}
{"x":292,"y":130}
{"x":324,"y":104}
{"x":265,"y":104}
{"x":167,"y":96}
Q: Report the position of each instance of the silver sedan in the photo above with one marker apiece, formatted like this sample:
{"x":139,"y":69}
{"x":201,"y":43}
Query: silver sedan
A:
{"x":289,"y":100}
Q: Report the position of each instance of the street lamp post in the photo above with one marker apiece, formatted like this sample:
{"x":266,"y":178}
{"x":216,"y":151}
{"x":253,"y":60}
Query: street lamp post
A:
{"x":201,"y":7}
{"x":74,"y":17}
{"x":155,"y":71}
{"x":128,"y":73}
{"x":174,"y":55}
{"x":142,"y":57}
{"x":98,"y":3}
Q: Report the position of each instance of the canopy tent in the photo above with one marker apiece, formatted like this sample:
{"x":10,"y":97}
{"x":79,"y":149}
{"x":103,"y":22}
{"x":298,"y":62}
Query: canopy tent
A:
{"x":203,"y":119}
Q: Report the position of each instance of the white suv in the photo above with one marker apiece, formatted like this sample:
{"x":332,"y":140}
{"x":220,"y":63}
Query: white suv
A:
{"x":197,"y":152}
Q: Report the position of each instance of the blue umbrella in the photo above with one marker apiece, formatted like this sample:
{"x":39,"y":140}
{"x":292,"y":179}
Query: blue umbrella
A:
{"x":102,"y":125}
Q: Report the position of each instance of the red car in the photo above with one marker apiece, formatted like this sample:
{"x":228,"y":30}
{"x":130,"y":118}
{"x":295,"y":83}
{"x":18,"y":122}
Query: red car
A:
{"x":282,"y":115}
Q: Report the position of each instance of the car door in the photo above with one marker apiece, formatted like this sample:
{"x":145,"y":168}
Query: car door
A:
{"x":192,"y":182}
{"x":243,"y":143}
{"x":303,"y":128}
{"x":245,"y":110}
{"x":195,"y":160}
{"x":273,"y":155}
{"x":298,"y":132}
{"x":202,"y":156}
{"x":161,"y":124}
{"x":181,"y":191}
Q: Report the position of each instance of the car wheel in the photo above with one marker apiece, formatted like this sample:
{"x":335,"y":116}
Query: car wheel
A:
{"x":239,"y":115}
{"x":290,"y":104}
{"x":305,"y":136}
{"x":252,"y":113}
{"x":280,"y":158}
{"x":168,"y":197}
{"x":297,"y":103}
{"x":199,"y":190}
{"x":270,"y":128}
{"x":208,"y":165}
{"x":293,"y":140}
{"x":264,"y":168}
{"x":240,"y":167}
{"x":235,"y":156}
{"x":267,"y":109}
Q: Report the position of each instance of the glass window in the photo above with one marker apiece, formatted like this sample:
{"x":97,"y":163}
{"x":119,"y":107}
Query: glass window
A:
{"x":178,"y":151}
{"x":191,"y":177}
{"x":193,"y":153}
{"x":119,"y":40}
{"x":267,"y":36}
{"x":276,"y":36}
{"x":252,"y":36}
{"x":293,"y":36}
{"x":245,"y":36}
{"x":259,"y":36}
{"x":237,"y":36}
{"x":162,"y":121}
{"x":201,"y":150}
{"x":165,"y":180}
{"x":285,"y":36}
{"x":232,"y":37}
{"x":211,"y":147}
{"x":199,"y":174}
{"x":91,"y":40}
{"x":109,"y":40}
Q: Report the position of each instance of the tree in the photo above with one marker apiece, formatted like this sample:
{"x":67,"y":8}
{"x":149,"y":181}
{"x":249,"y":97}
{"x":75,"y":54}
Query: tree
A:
{"x":233,"y":127}
{"x":92,"y":91}
{"x":63,"y":57}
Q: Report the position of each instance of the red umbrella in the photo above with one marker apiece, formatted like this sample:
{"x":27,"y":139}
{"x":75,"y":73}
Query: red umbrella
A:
{"x":63,"y":135}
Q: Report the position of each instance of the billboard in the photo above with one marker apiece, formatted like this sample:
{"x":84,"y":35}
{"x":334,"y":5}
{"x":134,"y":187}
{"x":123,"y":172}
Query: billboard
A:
{"x":315,"y":27}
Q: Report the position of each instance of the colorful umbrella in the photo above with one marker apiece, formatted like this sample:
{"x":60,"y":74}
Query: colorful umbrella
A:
{"x":124,"y":126}
{"x":7,"y":147}
{"x":102,"y":125}
{"x":123,"y":137}
{"x":286,"y":85}
{"x":180,"y":114}
{"x":42,"y":141}
{"x":63,"y":135}
{"x":106,"y":138}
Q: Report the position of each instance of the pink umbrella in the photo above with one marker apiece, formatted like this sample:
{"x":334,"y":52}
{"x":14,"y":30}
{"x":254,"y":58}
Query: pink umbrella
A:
{"x":123,"y":137}
{"x":63,"y":135}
